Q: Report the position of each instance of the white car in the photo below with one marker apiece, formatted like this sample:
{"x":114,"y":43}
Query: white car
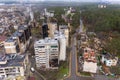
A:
{"x":32,"y":69}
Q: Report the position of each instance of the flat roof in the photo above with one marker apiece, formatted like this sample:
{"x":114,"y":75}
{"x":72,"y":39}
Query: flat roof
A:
{"x":47,"y":41}
{"x":10,"y":39}
{"x":16,"y":34}
{"x":13,"y":60}
{"x":22,"y":27}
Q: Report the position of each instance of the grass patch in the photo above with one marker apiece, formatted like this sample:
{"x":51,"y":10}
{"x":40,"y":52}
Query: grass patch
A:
{"x":63,"y":70}
{"x":85,"y":73}
{"x":56,"y":74}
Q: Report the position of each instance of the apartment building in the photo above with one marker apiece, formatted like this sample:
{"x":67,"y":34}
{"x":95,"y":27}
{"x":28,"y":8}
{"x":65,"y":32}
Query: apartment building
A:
{"x":65,"y":30}
{"x":47,"y":53}
{"x":62,"y":43}
{"x":13,"y":66}
{"x":52,"y":28}
{"x":18,"y":41}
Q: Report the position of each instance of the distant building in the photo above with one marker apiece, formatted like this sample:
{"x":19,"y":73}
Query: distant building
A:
{"x":48,"y":13}
{"x":47,"y":53}
{"x":102,"y":6}
{"x":13,"y":66}
{"x":19,"y":40}
{"x":70,"y":10}
{"x":90,"y":63}
{"x":109,"y":60}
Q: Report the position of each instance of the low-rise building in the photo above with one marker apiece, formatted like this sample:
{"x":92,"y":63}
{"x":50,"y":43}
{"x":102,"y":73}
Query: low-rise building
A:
{"x":90,"y":62}
{"x":13,"y":65}
{"x":109,"y":60}
{"x":47,"y":53}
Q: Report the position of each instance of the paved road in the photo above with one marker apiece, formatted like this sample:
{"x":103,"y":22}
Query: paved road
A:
{"x":73,"y":61}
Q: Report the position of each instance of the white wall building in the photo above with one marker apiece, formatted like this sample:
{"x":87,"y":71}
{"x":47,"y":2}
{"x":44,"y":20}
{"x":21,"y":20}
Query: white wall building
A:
{"x":65,"y":30}
{"x":62,"y":41}
{"x":108,"y":61}
{"x":90,"y":67}
{"x":47,"y":53}
{"x":90,"y":63}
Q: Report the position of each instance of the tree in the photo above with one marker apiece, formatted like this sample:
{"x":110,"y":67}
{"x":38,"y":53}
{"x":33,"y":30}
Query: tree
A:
{"x":113,"y":46}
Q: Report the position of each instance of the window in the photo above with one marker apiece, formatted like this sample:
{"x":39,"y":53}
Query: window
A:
{"x":54,"y":46}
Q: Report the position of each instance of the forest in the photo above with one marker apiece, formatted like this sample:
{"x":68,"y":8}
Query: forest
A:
{"x":106,"y":23}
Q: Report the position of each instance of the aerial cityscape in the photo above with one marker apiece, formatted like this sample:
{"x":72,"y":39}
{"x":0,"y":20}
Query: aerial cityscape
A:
{"x":59,"y":40}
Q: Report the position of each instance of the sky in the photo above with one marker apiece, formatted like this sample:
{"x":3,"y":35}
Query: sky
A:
{"x":67,"y":0}
{"x":77,"y":0}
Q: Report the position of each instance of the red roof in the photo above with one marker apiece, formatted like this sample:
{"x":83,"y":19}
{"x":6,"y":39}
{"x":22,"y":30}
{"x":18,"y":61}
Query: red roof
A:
{"x":31,"y":78}
{"x":2,"y":38}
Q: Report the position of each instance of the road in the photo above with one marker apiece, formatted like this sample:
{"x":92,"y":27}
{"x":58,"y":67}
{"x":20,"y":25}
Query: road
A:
{"x":73,"y":63}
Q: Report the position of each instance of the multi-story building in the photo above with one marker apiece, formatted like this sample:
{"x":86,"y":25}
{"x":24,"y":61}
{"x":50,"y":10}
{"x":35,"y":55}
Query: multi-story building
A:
{"x":47,"y":53}
{"x":65,"y":30}
{"x":11,"y":46}
{"x":45,"y":30}
{"x":52,"y":28}
{"x":13,"y":66}
{"x":19,"y":41}
{"x":62,"y":43}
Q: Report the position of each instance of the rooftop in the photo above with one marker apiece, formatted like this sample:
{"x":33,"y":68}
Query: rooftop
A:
{"x":10,"y":39}
{"x":89,"y":55}
{"x":22,"y":27}
{"x":12,"y":60}
{"x":47,"y":41}
{"x":63,"y":27}
{"x":17,"y":33}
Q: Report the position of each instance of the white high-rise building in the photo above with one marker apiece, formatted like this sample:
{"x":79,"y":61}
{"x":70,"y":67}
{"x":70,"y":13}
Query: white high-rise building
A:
{"x":62,"y":41}
{"x":47,"y":53}
{"x":65,"y":30}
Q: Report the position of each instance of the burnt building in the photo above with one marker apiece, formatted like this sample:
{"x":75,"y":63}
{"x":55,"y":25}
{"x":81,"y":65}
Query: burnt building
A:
{"x":45,"y":30}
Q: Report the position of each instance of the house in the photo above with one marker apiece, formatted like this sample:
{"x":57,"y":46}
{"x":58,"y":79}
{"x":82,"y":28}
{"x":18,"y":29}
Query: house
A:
{"x":109,"y":60}
{"x":90,"y":62}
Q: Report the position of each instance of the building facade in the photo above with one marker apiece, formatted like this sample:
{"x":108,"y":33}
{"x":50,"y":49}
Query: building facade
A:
{"x":65,"y":30}
{"x":47,"y":53}
{"x":62,"y":43}
{"x":13,"y":65}
{"x":19,"y":40}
